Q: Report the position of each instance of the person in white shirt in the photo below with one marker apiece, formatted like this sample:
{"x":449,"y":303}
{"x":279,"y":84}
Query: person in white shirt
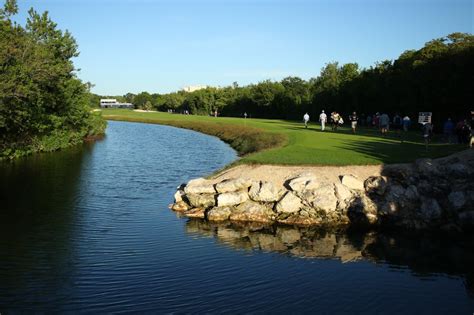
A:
{"x":306,"y":119}
{"x":323,"y":118}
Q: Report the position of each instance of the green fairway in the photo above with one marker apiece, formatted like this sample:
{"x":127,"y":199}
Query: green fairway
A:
{"x":288,"y":142}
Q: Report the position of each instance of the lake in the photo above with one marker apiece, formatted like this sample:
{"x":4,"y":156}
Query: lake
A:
{"x":89,"y":230}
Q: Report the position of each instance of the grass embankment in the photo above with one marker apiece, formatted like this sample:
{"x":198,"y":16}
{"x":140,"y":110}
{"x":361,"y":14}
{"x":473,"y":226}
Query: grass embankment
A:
{"x":265,"y":141}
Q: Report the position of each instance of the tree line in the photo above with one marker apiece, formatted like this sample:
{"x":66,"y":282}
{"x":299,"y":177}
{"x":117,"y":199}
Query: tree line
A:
{"x":437,"y":78}
{"x":43,"y":105}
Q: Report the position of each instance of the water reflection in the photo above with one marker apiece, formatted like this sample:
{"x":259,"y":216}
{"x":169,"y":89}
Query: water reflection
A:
{"x":425,"y":254}
{"x":37,"y":219}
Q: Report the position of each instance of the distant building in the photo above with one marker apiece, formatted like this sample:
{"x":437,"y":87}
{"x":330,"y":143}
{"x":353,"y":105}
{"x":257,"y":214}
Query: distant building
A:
{"x":192,"y":88}
{"x":112,"y":103}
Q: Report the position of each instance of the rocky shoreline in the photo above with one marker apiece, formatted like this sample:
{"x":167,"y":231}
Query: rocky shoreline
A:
{"x":425,"y":194}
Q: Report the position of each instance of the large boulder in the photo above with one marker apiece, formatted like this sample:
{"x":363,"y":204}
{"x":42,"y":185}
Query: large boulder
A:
{"x":411,"y":193}
{"x":303,"y":182}
{"x":263,"y":191}
{"x":202,"y":200}
{"x":290,"y":203}
{"x":352,"y":182}
{"x":375,"y":185}
{"x":199,"y":186}
{"x":231,"y":185}
{"x":232,"y":198}
{"x":252,"y":211}
{"x":322,"y":198}
{"x":343,"y":194}
{"x":430,"y":209}
{"x":457,"y":199}
{"x":427,"y":167}
{"x":219,"y":213}
{"x":458,"y":170}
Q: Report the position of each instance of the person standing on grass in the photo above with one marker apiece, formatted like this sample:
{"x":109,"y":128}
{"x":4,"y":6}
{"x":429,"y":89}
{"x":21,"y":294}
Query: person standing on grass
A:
{"x":323,"y":118}
{"x":384,"y":120}
{"x":306,"y":120}
{"x":353,"y":119}
{"x":397,"y":124}
{"x":427,"y":131}
{"x":406,"y":123}
{"x":335,"y":117}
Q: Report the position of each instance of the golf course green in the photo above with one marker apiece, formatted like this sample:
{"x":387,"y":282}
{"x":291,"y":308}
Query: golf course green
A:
{"x":266,"y":141}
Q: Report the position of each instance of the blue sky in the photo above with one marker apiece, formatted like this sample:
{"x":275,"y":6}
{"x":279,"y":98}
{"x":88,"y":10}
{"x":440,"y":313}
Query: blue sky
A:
{"x":161,"y":46}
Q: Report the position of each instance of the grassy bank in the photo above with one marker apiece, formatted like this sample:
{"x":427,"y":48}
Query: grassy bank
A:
{"x":265,"y":141}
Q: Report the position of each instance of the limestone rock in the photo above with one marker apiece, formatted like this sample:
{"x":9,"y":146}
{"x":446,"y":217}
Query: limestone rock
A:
{"x":457,"y":199}
{"x":395,"y":192}
{"x":178,"y":196}
{"x":201,"y":200}
{"x":199,"y":186}
{"x":290,"y":203}
{"x":299,"y":220}
{"x":195,"y":213}
{"x":219,"y":213}
{"x":180,"y":206}
{"x":458,"y":170}
{"x":427,"y":168}
{"x":343,"y":194}
{"x":430,"y":209}
{"x":303,"y":182}
{"x":322,"y":198}
{"x":352,"y":182}
{"x":252,"y":211}
{"x":263,"y":191}
{"x":231,"y":185}
{"x":232,"y":198}
{"x":411,"y":193}
{"x":375,"y":184}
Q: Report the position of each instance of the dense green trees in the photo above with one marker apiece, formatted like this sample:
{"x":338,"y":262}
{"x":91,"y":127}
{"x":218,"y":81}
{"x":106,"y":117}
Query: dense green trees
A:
{"x":43,"y":105}
{"x":437,"y":78}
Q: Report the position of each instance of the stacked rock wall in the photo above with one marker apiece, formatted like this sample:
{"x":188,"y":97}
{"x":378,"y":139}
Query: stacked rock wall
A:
{"x":427,"y":193}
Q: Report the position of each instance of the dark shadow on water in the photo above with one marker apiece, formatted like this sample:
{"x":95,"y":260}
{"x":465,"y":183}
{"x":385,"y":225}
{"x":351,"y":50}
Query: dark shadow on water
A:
{"x":425,"y":254}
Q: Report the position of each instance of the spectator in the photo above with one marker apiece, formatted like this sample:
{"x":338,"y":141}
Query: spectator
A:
{"x":306,"y":120}
{"x":353,"y":119}
{"x":323,"y":118}
{"x":384,"y":121}
{"x":397,"y":124}
{"x":406,"y":123}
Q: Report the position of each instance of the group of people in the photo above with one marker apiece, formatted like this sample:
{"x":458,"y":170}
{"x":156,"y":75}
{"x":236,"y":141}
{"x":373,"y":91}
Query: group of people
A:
{"x":462,"y":131}
{"x":459,"y":133}
{"x":336,"y":120}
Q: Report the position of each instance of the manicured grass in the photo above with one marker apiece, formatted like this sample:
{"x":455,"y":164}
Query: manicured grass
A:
{"x":265,"y":141}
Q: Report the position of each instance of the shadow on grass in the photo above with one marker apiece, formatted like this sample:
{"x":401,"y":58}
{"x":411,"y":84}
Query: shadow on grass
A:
{"x":388,"y":152}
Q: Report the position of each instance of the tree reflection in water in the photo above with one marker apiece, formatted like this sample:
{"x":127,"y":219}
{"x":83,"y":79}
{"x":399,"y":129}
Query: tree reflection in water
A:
{"x":423,"y":253}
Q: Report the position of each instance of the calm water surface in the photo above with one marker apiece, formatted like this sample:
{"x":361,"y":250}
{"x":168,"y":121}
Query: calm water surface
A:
{"x":89,"y":230}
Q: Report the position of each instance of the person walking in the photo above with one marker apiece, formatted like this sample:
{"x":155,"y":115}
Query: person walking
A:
{"x":335,"y":117}
{"x":323,"y":118}
{"x":306,"y":120}
{"x":384,"y":120}
{"x":397,"y":124}
{"x":353,"y":119}
{"x":427,"y":132}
